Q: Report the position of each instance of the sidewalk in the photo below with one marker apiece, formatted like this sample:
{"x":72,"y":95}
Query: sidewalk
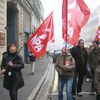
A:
{"x":30,"y":80}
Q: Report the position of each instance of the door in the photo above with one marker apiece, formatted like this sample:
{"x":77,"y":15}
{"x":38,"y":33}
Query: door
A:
{"x":11,"y":24}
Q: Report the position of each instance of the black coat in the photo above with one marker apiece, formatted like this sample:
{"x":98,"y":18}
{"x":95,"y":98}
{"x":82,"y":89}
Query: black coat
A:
{"x":80,"y":55}
{"x":32,"y":58}
{"x":13,"y":76}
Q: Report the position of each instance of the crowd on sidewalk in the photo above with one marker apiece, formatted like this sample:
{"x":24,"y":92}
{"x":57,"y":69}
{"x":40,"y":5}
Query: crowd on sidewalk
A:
{"x":75,"y":64}
{"x":72,"y":66}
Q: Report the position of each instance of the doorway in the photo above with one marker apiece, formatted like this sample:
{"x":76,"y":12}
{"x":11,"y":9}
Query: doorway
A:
{"x":11,"y":23}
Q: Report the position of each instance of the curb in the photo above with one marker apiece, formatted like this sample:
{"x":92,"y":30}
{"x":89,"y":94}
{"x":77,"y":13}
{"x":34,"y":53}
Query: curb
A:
{"x":35,"y":91}
{"x":50,"y":85}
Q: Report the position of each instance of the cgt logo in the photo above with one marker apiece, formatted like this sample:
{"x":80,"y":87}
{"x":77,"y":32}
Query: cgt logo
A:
{"x":36,"y":42}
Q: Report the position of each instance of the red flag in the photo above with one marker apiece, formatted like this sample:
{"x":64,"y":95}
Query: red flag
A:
{"x":38,"y":41}
{"x":98,"y":34}
{"x":75,"y":14}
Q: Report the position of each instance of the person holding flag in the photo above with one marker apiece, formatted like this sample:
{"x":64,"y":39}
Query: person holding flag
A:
{"x":65,"y":65}
{"x":75,"y":15}
{"x":11,"y":64}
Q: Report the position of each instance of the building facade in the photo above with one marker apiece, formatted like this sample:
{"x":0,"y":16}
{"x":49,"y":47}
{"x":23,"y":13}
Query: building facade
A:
{"x":18,"y":19}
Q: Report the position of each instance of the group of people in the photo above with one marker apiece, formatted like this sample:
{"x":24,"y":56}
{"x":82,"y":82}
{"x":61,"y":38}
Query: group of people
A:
{"x":71,"y":66}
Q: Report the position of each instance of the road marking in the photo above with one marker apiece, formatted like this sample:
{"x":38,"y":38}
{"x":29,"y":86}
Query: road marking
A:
{"x":56,"y":93}
{"x":55,"y":86}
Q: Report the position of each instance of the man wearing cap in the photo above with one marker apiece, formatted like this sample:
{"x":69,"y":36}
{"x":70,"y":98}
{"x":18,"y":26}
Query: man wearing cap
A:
{"x":65,"y":67}
{"x":93,"y":58}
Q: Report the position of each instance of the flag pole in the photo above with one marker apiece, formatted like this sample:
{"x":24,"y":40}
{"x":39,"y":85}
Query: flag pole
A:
{"x":66,"y":11}
{"x":66,"y":3}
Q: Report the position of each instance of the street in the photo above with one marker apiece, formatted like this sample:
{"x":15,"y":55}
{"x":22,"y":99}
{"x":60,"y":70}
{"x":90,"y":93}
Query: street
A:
{"x":31,"y":82}
{"x":85,"y":91}
{"x":42,"y":30}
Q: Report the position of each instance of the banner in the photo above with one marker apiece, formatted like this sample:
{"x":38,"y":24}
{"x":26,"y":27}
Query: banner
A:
{"x":75,"y":15}
{"x":37,"y":43}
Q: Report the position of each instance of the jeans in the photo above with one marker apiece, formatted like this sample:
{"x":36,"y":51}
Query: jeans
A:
{"x":62,"y":81}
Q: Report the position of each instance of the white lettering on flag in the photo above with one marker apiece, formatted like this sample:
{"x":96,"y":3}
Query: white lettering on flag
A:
{"x":70,"y":32}
{"x":37,"y":42}
{"x":38,"y":47}
{"x":70,"y":28}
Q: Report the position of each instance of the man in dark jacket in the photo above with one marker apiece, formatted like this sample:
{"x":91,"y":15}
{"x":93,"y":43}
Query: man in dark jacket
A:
{"x":80,"y":55}
{"x":97,"y":80}
{"x":94,"y":55}
{"x":11,"y":65}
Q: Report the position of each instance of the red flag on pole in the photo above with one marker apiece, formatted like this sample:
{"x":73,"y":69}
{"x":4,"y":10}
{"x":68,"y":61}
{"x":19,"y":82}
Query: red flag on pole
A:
{"x":37,"y":43}
{"x":98,"y":34}
{"x":75,"y":14}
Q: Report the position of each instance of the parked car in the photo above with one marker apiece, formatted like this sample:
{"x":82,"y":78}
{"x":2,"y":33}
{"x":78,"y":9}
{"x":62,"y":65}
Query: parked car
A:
{"x":55,"y":55}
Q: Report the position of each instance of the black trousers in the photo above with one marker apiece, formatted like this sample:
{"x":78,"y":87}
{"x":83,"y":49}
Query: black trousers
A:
{"x":92,"y":82}
{"x":13,"y":93}
{"x":77,"y":81}
{"x":98,"y":97}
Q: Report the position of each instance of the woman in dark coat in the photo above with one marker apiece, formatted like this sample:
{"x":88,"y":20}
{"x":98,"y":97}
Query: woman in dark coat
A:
{"x":12,"y":64}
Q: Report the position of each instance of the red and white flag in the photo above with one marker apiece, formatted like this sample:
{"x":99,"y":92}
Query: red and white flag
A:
{"x":75,"y":14}
{"x":37,"y":43}
{"x":98,"y":34}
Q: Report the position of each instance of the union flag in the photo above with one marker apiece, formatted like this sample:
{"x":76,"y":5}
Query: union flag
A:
{"x":37,"y":43}
{"x":75,"y":15}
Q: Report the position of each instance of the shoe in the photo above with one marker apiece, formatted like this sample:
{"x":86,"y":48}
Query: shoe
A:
{"x":92,"y":93}
{"x":87,"y":80}
{"x":32,"y":73}
{"x":74,"y":97}
{"x":79,"y":93}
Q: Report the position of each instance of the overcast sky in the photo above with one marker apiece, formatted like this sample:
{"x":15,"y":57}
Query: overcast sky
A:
{"x":56,"y":5}
{"x":50,"y":5}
